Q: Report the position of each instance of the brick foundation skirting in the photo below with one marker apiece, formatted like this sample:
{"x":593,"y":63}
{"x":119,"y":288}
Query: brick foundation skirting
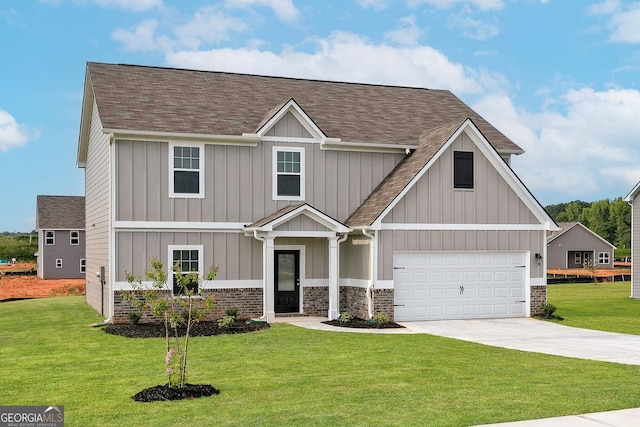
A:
{"x":538,"y":297}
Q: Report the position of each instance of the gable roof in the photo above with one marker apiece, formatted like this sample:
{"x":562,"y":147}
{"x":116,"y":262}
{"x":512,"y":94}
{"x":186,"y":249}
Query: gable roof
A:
{"x":166,"y":100}
{"x":287,"y":213}
{"x":60,"y":213}
{"x":412,"y":167}
{"x":564,"y":227}
{"x":629,"y":197}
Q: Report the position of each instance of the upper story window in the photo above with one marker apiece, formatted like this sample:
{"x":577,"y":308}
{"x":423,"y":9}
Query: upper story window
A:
{"x":288,"y":173}
{"x":74,"y":238}
{"x":49,"y":237}
{"x":189,"y":259}
{"x":463,"y":169}
{"x":186,"y":170}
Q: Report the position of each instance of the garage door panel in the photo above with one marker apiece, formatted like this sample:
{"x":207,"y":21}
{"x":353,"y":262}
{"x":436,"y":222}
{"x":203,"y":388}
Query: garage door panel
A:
{"x":459,"y":285}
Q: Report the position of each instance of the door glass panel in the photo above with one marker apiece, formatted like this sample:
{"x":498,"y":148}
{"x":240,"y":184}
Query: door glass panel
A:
{"x":286,"y":272}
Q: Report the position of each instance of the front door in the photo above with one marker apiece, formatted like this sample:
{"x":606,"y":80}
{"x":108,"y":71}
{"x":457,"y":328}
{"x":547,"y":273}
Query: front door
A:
{"x":287,"y":281}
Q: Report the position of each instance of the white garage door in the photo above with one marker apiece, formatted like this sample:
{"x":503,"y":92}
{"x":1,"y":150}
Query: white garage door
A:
{"x":459,"y":285}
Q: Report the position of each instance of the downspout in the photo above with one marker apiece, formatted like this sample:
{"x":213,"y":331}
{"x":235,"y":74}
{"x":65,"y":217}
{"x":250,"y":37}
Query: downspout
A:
{"x":264,"y":270}
{"x":373,"y":269}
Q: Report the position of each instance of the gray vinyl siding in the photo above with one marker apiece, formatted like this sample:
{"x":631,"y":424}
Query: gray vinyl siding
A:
{"x":561,"y":250}
{"x":433,"y":200}
{"x":635,"y":248}
{"x":354,"y":258}
{"x":97,"y":178}
{"x":448,"y":240}
{"x":238,"y":182}
{"x":288,"y":126}
{"x":63,"y":250}
{"x":239,"y":257}
{"x":301,"y":223}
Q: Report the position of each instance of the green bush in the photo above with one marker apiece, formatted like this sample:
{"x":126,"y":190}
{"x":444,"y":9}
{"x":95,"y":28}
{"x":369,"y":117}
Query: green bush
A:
{"x":345,"y":317}
{"x":380,"y":318}
{"x":232,"y":312}
{"x":226,"y":321}
{"x":134,"y":317}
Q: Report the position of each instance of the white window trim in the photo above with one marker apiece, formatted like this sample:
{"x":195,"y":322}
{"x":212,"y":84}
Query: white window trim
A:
{"x":274,"y":172}
{"x":53,"y":238}
{"x":201,"y":172}
{"x":604,"y":258}
{"x":58,"y":262}
{"x":171,"y":248}
{"x":83,"y":265}
{"x":71,"y":238}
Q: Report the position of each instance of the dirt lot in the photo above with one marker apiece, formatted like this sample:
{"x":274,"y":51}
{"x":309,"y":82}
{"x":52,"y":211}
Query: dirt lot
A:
{"x":14,"y":287}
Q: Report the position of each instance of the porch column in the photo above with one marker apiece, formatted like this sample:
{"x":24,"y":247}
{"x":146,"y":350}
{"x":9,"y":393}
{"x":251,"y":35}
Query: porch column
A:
{"x":334,"y":289}
{"x":269,"y":291}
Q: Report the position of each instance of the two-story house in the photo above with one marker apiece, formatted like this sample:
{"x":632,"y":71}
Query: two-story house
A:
{"x":61,"y":237}
{"x":312,"y":197}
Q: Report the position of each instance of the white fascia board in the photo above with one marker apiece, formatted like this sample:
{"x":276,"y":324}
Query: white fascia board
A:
{"x":174,"y":225}
{"x":244,"y":140}
{"x":496,"y":161}
{"x":336,"y":144}
{"x":462,"y":227}
{"x":314,"y":214}
{"x":293,"y":107}
{"x":326,"y":234}
{"x":629,"y":197}
{"x":85,"y":122}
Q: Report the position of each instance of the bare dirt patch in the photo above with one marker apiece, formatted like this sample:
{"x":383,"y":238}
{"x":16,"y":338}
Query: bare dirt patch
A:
{"x":29,"y":286}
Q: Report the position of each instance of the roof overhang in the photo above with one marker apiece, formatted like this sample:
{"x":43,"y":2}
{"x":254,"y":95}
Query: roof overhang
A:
{"x":269,"y":224}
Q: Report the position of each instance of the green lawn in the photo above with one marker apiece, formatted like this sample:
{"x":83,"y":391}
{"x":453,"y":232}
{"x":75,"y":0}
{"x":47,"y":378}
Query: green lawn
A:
{"x":291,"y":376}
{"x":601,"y":306}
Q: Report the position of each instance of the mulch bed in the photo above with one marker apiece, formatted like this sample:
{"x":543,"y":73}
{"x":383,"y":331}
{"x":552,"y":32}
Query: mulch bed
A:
{"x":201,"y":329}
{"x":164,"y":392}
{"x":356,"y":322}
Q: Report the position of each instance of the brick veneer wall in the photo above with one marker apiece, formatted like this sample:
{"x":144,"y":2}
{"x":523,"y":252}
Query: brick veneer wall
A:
{"x":248,"y":301}
{"x":315,"y":301}
{"x":355,"y":301}
{"x":538,"y":297}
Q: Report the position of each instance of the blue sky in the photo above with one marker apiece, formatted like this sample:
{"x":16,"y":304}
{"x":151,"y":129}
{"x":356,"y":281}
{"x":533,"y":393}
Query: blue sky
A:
{"x":556,"y":76}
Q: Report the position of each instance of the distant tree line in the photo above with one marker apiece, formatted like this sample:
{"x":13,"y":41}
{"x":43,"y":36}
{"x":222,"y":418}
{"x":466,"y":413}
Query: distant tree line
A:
{"x":610,"y":219}
{"x":21,"y":246}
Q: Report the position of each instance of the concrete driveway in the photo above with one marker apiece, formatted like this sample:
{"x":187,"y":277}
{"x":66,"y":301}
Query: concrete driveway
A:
{"x":538,"y":336}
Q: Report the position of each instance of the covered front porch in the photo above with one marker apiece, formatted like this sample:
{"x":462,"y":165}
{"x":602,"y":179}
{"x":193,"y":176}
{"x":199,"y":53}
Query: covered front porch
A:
{"x":300,"y":260}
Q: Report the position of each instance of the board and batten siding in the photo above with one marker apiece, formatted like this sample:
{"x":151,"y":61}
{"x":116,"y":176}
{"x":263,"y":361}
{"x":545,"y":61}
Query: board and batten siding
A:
{"x":635,"y":247}
{"x":238,"y":182}
{"x":97,"y":179}
{"x":433,"y":200}
{"x":238,"y":257}
{"x":355,"y":258}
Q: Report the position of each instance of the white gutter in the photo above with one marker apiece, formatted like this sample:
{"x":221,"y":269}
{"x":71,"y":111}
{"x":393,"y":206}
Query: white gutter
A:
{"x":373,"y":269}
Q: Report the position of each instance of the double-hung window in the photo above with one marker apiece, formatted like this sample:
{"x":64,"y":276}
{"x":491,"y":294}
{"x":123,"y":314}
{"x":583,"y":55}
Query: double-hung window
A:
{"x":186,"y":170}
{"x":83,"y":265}
{"x":603,"y":258}
{"x":189,"y":260}
{"x":74,"y":238}
{"x":463,"y":170}
{"x":49,"y":237}
{"x":288,"y":173}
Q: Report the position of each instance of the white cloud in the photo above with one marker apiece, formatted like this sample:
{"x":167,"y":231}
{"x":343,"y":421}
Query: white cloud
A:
{"x":143,"y":38}
{"x":284,"y":9}
{"x":448,"y":4}
{"x":408,"y":33}
{"x":12,"y":133}
{"x":588,"y":151}
{"x":208,"y":25}
{"x":623,"y":21}
{"x":344,"y":57}
{"x":132,"y":5}
{"x":473,"y":28}
{"x":374,"y":4}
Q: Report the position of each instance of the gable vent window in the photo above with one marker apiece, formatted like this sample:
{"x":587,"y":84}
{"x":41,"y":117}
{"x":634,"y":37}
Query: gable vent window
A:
{"x":288,"y":179}
{"x":187,"y":171}
{"x":463,"y":169}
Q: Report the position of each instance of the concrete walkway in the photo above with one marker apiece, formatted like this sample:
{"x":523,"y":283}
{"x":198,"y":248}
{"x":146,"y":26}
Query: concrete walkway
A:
{"x":531,"y":335}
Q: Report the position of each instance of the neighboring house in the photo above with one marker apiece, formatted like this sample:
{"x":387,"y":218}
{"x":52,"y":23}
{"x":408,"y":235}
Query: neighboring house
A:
{"x":313,"y":197}
{"x":576,"y":246}
{"x":634,"y":201}
{"x":61,"y":237}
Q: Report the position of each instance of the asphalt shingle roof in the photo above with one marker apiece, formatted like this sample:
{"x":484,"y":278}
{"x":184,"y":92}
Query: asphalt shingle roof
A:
{"x":139,"y":98}
{"x":60,"y":213}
